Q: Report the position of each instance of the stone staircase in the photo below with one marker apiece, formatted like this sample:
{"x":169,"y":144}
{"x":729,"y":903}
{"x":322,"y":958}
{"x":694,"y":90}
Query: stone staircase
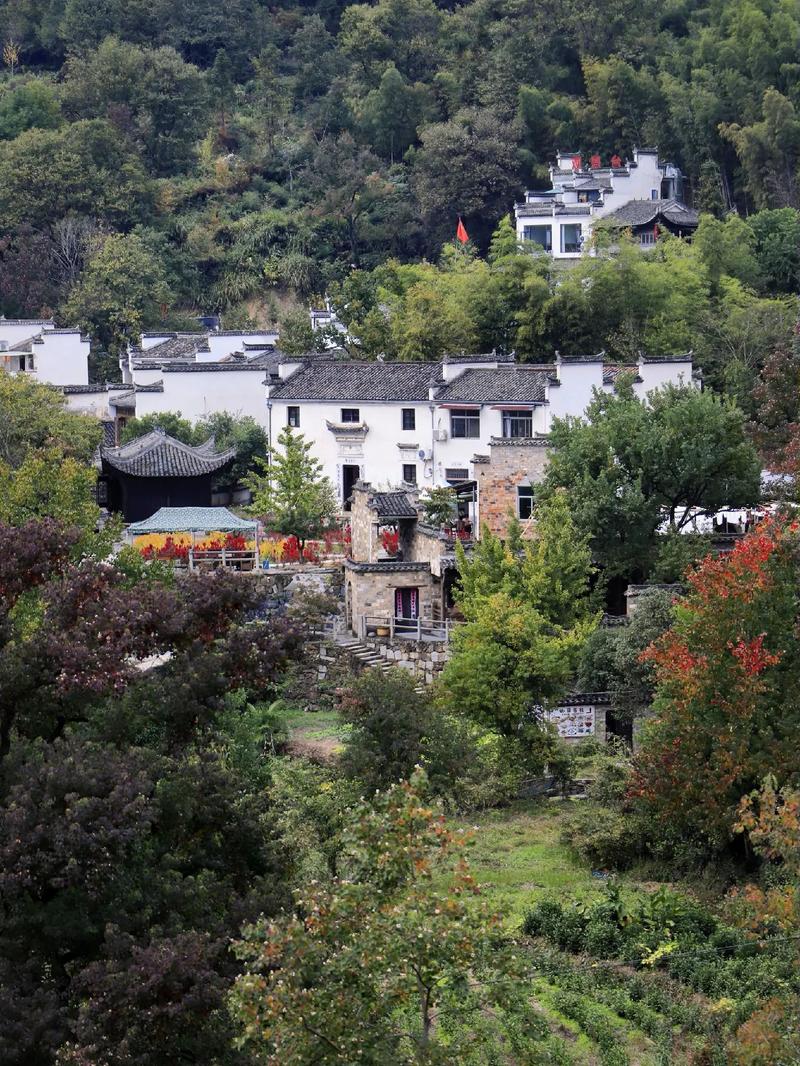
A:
{"x":366,"y":656}
{"x":356,"y":649}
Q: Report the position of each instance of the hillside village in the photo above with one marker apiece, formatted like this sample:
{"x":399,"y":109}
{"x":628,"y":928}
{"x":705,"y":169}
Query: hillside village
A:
{"x":399,"y":486}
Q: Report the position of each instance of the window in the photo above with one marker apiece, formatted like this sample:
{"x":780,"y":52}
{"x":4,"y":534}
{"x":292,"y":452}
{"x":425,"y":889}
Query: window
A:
{"x":571,"y":239}
{"x":524,"y":501}
{"x":648,"y":237}
{"x":410,"y":473}
{"x":589,"y":196}
{"x":351,"y":414}
{"x":542,"y":235}
{"x":517,"y":424}
{"x":409,"y":418}
{"x":465,"y":423}
{"x":654,"y":194}
{"x":456,"y":473}
{"x":293,"y":417}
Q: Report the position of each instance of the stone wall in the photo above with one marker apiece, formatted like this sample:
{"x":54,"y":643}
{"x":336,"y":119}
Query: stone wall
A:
{"x":424,"y":659}
{"x":364,"y":544}
{"x":372,"y":590}
{"x":511,"y":463}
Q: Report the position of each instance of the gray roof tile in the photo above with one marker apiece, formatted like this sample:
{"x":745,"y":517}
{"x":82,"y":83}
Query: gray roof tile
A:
{"x":642,"y":212}
{"x":158,"y":455}
{"x":359,"y":381}
{"x":392,"y":505}
{"x":517,"y":384}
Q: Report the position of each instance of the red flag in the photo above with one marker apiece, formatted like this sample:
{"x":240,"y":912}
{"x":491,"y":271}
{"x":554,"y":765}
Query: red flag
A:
{"x":576,"y":162}
{"x":461,"y":232}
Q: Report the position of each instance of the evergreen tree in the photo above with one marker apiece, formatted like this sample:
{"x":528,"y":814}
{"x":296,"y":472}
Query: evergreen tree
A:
{"x":290,"y":490}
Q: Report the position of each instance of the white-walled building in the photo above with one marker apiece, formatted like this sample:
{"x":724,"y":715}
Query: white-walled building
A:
{"x":425,"y":423}
{"x":642,"y":194}
{"x":49,"y":355}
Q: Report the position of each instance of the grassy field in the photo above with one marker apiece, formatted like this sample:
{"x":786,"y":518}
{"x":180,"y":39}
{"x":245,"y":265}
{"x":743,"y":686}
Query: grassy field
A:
{"x":517,"y":856}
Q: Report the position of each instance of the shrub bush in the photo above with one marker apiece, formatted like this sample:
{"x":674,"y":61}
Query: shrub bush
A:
{"x":605,"y":838}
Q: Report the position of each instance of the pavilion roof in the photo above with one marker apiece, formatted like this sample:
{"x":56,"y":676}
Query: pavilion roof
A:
{"x":192,"y":520}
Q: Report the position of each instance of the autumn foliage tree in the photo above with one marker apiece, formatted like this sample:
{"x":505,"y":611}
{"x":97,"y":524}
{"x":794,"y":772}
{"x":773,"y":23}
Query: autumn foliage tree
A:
{"x":131,"y":848}
{"x":396,"y":961}
{"x":728,"y":675}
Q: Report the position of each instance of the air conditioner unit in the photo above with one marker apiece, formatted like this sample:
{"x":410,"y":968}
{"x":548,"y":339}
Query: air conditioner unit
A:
{"x":440,"y":434}
{"x":425,"y":454}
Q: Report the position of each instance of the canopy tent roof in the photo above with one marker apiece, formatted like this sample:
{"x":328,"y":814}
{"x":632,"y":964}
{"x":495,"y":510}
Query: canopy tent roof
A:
{"x":192,"y":520}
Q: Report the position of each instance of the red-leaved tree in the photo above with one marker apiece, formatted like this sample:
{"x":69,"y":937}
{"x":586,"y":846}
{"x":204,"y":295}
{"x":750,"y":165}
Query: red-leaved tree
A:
{"x":727,"y":707}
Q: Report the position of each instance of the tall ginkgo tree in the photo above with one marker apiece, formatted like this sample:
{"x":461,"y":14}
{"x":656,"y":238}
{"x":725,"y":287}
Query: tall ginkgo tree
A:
{"x":290,"y":490}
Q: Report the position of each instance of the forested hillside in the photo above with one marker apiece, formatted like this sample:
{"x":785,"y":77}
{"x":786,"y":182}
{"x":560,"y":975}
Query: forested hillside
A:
{"x":161,"y":158}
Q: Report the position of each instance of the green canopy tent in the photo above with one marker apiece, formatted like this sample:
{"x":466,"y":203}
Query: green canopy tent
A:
{"x":194,"y":520}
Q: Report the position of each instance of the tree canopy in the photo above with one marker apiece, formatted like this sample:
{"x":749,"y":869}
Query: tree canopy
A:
{"x":631,"y":465}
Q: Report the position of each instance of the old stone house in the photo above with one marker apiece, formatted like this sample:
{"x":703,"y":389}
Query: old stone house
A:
{"x":400,"y":573}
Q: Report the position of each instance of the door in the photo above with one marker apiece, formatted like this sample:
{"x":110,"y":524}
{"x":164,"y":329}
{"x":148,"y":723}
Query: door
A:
{"x":350,"y":475}
{"x":406,"y":608}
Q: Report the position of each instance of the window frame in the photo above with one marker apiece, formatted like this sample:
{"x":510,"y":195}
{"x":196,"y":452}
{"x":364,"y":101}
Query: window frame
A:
{"x":469,"y":419}
{"x":509,"y":416}
{"x":408,"y":414}
{"x":412,"y":467}
{"x":348,"y":411}
{"x":526,"y":493}
{"x":572,"y":249}
{"x":548,"y":243}
{"x":293,"y":417}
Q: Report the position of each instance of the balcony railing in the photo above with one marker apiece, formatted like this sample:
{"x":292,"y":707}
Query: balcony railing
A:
{"x":393,"y":628}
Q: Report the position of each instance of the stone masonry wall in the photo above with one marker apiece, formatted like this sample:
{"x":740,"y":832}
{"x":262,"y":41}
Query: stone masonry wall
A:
{"x":373,"y":592}
{"x":510,"y":465}
{"x":424,"y":659}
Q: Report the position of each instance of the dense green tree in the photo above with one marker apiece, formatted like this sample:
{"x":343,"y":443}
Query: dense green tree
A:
{"x":155,"y":99}
{"x":630,"y":465}
{"x":83,"y":168}
{"x":528,"y":613}
{"x":35,"y":417}
{"x":400,"y":944}
{"x":242,"y":433}
{"x":468,"y":167}
{"x":172,"y":422}
{"x":27,"y":106}
{"x":612,"y":659}
{"x":122,"y":291}
{"x":777,"y":247}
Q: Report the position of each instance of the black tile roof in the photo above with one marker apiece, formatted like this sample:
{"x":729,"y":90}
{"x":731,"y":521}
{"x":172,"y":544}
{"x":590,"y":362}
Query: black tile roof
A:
{"x":643,"y":212}
{"x":517,"y":384}
{"x":479,"y":357}
{"x":386,"y":567}
{"x":76,"y":390}
{"x":392,"y":505}
{"x":158,"y":455}
{"x":355,"y":381}
{"x":177,"y":346}
{"x":25,"y":321}
{"x":207,"y":368}
{"x":518,"y":442}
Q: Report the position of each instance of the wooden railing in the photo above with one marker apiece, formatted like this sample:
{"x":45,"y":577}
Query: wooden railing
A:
{"x":224,"y":558}
{"x":373,"y":625}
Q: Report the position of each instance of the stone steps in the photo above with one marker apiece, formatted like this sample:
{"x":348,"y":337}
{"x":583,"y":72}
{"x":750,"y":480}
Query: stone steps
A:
{"x":368,"y":657}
